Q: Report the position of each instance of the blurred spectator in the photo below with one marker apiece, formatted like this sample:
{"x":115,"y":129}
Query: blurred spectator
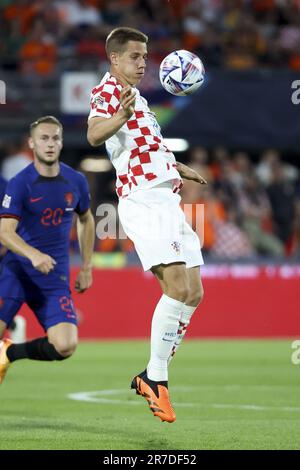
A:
{"x":112,"y":12}
{"x":230,"y":240}
{"x":295,"y":246}
{"x":199,"y":156}
{"x":268,"y":159}
{"x":256,"y":214}
{"x":240,"y":169}
{"x":91,"y":46}
{"x":239,"y":34}
{"x":192,"y":195}
{"x":193,"y":27}
{"x":38,"y":53}
{"x":22,"y":12}
{"x":282,"y":197}
{"x":220,"y":157}
{"x":74,"y":13}
{"x":198,"y":160}
{"x":18,"y":157}
{"x":243,"y":45}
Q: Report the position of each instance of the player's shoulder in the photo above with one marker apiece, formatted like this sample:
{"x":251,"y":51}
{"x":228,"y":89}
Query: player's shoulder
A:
{"x":24,"y":176}
{"x":109,"y":84}
{"x":71,"y":174}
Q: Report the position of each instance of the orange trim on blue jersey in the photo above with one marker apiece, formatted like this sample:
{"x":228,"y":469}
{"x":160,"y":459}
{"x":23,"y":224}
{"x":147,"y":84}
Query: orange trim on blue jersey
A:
{"x":10,"y":216}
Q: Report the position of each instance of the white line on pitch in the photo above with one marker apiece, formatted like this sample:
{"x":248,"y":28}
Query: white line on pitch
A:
{"x":99,"y":397}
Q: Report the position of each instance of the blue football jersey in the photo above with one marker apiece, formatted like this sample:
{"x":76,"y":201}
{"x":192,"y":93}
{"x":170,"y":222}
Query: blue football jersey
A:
{"x":44,"y":207}
{"x":3,"y":184}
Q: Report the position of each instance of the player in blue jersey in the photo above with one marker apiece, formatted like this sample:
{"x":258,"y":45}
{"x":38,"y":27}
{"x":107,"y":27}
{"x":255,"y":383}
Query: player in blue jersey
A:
{"x":3,"y":184}
{"x":36,"y":218}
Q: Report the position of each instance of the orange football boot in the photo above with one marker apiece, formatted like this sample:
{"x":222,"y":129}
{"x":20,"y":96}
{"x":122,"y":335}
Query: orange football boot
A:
{"x":4,"y":361}
{"x":159,"y":402}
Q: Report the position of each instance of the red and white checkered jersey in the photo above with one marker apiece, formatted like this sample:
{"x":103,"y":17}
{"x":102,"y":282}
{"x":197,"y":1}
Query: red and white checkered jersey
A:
{"x":137,"y":150}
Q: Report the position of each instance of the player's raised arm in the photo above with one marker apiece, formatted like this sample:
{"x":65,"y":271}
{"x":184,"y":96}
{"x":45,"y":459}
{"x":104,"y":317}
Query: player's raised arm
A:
{"x":12,"y":241}
{"x":100,"y":129}
{"x":86,"y":238}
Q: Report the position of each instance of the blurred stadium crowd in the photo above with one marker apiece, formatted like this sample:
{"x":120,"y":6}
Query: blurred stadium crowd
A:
{"x":252,"y":202}
{"x":250,"y":210}
{"x":40,"y":37}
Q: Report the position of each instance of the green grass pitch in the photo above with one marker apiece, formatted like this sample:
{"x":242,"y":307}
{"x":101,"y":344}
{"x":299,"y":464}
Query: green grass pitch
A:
{"x":226,"y":394}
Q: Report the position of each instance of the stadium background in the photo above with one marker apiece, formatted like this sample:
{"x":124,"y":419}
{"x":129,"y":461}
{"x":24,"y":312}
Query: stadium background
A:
{"x":241,"y":131}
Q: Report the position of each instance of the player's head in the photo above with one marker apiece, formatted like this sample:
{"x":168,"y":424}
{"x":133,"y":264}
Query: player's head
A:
{"x":126,"y":49}
{"x":46,"y":139}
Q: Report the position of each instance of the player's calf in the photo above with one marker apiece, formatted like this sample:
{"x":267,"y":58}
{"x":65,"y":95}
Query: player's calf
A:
{"x":39,"y":349}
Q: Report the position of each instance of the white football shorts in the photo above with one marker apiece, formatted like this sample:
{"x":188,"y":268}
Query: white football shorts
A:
{"x":153,"y":219}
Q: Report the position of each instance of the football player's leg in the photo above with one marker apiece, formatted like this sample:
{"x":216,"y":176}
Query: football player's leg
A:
{"x":56,"y":315}
{"x":64,"y":337}
{"x":153,"y":383}
{"x":165,"y":321}
{"x":9,"y":308}
{"x":3,"y":327}
{"x":17,"y":329}
{"x":195,"y":296}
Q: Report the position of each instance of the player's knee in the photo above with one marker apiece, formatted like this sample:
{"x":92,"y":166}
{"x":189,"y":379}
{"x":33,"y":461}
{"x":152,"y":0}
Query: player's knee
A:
{"x":178,"y":292}
{"x":195,"y":296}
{"x":65,"y":348}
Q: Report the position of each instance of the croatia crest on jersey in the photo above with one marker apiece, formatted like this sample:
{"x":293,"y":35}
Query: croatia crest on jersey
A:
{"x":176,"y":246}
{"x":97,"y":101}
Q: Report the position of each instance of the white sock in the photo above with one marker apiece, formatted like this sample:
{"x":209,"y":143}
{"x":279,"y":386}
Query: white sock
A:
{"x":164,"y":329}
{"x":184,"y":321}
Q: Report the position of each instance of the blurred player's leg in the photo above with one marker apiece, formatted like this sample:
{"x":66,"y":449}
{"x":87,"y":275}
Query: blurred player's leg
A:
{"x":3,"y":327}
{"x":60,"y":344}
{"x":195,"y":296}
{"x":9,"y":308}
{"x":4,"y":344}
{"x":17,"y":329}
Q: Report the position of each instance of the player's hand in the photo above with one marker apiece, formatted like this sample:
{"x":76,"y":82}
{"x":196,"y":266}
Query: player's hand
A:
{"x":189,"y":174}
{"x":127,"y":100}
{"x":84,"y":280}
{"x":42,"y":262}
{"x":199,"y":179}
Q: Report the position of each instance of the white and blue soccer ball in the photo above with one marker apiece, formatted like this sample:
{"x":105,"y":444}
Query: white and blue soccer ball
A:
{"x":181,"y":73}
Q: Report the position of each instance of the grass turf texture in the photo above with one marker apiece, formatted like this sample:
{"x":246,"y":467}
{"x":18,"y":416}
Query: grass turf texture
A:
{"x":212,"y":382}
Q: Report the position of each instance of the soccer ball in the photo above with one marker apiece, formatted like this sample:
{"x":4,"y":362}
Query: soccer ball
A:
{"x":181,"y":73}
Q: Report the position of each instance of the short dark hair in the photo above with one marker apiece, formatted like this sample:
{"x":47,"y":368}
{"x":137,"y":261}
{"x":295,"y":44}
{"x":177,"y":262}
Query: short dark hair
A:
{"x":46,"y":120}
{"x":117,"y":39}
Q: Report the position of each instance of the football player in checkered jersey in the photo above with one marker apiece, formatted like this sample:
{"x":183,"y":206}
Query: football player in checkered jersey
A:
{"x":148,"y":182}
